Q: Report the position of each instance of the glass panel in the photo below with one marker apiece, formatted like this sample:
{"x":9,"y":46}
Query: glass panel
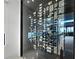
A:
{"x":50,"y":30}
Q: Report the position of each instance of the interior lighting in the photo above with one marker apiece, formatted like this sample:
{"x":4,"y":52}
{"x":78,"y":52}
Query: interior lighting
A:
{"x":28,"y":1}
{"x":32,"y":0}
{"x":56,"y":0}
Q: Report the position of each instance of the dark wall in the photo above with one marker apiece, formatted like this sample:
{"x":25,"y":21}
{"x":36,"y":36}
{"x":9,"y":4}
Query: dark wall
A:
{"x":26,"y":25}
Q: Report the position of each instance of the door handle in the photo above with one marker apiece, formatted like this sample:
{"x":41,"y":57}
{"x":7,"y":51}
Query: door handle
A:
{"x":4,"y":39}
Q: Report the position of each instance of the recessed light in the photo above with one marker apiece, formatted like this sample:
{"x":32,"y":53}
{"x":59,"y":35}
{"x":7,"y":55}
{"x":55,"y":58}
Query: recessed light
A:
{"x":32,"y":0}
{"x":28,"y":1}
{"x":56,"y":0}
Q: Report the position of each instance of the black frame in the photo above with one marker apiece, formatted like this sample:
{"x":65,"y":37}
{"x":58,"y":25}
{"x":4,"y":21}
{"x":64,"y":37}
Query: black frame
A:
{"x":21,"y":30}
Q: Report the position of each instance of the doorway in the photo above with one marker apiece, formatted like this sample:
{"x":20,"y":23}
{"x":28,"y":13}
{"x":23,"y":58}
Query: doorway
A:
{"x":46,"y":27}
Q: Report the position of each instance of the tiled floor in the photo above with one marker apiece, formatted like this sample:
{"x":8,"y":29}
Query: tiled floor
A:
{"x":39,"y":55}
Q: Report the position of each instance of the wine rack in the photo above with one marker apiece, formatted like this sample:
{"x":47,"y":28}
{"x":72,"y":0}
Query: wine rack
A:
{"x":47,"y":25}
